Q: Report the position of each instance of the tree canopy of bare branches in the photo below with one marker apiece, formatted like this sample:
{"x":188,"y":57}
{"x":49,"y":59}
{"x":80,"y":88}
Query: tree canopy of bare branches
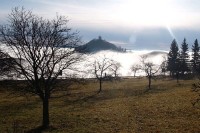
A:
{"x":135,"y":68}
{"x":101,"y":68}
{"x":149,"y":68}
{"x":115,"y":69}
{"x":40,"y":48}
{"x":163,"y":65}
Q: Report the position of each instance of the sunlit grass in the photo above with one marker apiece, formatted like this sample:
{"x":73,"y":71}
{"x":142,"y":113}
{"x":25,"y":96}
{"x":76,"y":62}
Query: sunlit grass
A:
{"x":122,"y":106}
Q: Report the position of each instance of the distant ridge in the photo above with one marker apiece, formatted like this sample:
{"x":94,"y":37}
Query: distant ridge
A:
{"x":97,"y":45}
{"x":155,"y":53}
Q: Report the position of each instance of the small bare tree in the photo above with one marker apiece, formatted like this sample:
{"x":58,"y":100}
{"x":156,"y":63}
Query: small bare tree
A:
{"x":149,"y":68}
{"x":40,"y":48}
{"x":135,"y":68}
{"x":115,"y":69}
{"x":101,"y":67}
{"x":163,"y":65}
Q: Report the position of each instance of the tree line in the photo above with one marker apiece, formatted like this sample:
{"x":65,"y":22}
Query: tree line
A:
{"x":179,"y":62}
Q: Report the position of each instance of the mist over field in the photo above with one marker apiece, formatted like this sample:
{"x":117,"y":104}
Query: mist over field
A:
{"x":126,"y":59}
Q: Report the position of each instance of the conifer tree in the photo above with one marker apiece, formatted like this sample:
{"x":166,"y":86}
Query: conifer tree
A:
{"x":173,"y":63}
{"x":184,"y":57}
{"x":195,"y":57}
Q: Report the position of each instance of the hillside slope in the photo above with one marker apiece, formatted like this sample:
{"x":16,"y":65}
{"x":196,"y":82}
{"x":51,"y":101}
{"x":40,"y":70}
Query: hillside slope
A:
{"x":97,"y":45}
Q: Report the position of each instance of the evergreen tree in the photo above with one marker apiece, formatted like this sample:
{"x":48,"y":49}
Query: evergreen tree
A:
{"x":184,"y":57}
{"x":195,"y":57}
{"x":173,"y":63}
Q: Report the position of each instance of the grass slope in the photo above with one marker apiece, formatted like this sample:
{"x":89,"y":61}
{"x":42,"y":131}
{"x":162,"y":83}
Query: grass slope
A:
{"x":123,"y":106}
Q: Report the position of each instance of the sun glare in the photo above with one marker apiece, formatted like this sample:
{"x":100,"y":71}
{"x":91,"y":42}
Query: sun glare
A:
{"x":145,"y":13}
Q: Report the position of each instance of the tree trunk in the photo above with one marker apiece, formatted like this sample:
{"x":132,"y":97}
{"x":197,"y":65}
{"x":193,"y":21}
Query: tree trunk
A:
{"x":149,"y":82}
{"x":177,"y":78}
{"x":172,"y":74}
{"x":45,"y":123}
{"x":100,"y":85}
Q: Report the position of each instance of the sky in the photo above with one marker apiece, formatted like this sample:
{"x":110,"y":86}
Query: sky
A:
{"x":131,"y":24}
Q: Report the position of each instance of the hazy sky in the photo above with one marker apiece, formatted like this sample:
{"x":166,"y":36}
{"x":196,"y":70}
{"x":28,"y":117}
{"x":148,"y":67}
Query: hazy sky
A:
{"x":133,"y":24}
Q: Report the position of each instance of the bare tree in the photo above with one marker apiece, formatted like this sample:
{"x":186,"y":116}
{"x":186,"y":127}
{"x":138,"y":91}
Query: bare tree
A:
{"x":115,"y":69}
{"x":149,"y":68}
{"x":163,"y":65}
{"x":101,"y":67}
{"x":40,"y":47}
{"x":135,"y":68}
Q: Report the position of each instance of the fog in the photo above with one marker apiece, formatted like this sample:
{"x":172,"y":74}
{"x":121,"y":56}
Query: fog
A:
{"x":126,"y":59}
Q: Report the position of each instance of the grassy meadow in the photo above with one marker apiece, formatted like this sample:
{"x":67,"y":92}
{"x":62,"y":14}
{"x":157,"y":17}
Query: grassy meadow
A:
{"x":122,"y":107}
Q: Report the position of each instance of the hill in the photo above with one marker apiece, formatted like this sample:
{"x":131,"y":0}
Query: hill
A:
{"x":97,"y":45}
{"x":156,"y":53}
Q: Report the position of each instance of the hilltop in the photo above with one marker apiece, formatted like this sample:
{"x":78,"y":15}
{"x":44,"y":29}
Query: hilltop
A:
{"x":97,"y":45}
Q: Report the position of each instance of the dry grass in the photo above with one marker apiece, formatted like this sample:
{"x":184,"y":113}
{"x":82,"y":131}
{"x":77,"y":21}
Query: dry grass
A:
{"x":123,"y":106}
